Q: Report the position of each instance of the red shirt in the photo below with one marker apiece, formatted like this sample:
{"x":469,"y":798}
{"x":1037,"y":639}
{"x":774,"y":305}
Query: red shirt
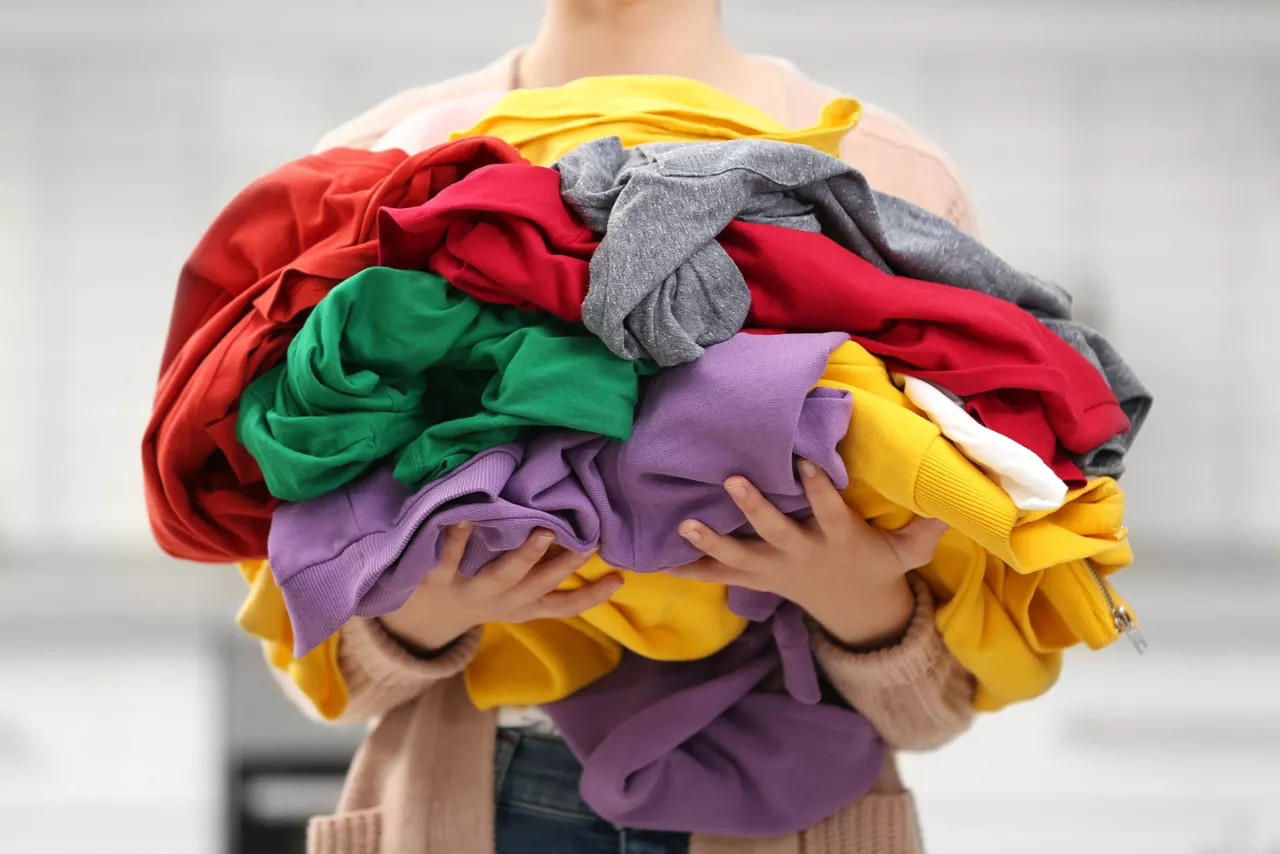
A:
{"x":268,"y":258}
{"x":504,"y":235}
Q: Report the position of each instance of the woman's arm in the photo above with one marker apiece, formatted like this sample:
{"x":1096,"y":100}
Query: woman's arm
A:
{"x":914,"y":692}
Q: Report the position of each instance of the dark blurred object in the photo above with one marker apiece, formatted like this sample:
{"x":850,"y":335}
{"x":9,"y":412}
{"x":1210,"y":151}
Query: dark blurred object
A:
{"x":271,"y":800}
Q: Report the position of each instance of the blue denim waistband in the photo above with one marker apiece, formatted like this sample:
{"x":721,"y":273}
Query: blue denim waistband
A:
{"x":537,"y":771}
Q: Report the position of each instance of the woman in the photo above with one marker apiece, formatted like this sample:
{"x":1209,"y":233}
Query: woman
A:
{"x":425,"y":780}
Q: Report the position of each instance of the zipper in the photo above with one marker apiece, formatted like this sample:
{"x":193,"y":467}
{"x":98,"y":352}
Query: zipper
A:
{"x":1120,"y":617}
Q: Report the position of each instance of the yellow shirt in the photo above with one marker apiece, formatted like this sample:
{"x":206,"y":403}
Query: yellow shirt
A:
{"x":546,"y":124}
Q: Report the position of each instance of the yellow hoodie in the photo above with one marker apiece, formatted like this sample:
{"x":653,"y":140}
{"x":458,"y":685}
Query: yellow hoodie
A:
{"x":1016,"y":586}
{"x":546,"y":124}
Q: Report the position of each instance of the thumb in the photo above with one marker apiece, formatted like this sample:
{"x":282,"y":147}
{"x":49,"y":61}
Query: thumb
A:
{"x":915,"y":543}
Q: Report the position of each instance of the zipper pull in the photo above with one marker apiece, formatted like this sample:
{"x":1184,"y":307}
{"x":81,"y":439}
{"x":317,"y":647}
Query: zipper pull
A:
{"x":1128,"y":626}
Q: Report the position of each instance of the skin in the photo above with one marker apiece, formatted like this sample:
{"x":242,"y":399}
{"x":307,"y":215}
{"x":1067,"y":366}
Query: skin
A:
{"x":850,"y":577}
{"x":683,"y":38}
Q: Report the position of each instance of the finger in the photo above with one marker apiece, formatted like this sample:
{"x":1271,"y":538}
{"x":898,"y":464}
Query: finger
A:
{"x":915,"y":543}
{"x":711,"y":571}
{"x":770,"y":524}
{"x":507,"y":571}
{"x":571,"y":603}
{"x":452,"y":548}
{"x":832,"y":515}
{"x":737,"y":554}
{"x":547,"y":576}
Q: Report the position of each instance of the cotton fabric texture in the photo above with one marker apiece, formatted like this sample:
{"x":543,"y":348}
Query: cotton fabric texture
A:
{"x":627,"y":498}
{"x":660,"y":208}
{"x":546,"y":124}
{"x":1014,"y":585}
{"x":399,"y":363}
{"x":505,"y":236}
{"x":696,"y":746}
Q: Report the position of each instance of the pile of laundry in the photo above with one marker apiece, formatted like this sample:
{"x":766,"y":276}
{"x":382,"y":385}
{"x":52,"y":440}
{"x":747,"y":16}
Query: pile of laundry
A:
{"x":583,"y":314}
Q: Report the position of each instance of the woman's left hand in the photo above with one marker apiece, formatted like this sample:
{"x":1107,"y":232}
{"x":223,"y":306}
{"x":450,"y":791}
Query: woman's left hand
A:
{"x":849,"y":576}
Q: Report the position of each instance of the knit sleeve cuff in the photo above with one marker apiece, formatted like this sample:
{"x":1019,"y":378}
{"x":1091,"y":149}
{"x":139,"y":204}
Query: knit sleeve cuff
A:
{"x":919,"y":653}
{"x":381,"y":674}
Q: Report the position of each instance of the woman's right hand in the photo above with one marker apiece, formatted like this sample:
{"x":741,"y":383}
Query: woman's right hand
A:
{"x":514,"y":588}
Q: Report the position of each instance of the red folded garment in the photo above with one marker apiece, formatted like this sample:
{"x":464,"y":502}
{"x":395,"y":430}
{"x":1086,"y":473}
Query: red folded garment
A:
{"x":268,"y":258}
{"x":504,"y":235}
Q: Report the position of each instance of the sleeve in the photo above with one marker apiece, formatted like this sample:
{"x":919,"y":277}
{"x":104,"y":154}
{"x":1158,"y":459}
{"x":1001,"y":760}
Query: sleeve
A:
{"x":380,"y":674}
{"x":901,"y":162}
{"x":915,"y":693}
{"x":365,"y":129}
{"x":956,"y":204}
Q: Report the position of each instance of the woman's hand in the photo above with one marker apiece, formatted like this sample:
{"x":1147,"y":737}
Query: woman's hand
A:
{"x":514,"y":588}
{"x":849,"y":576}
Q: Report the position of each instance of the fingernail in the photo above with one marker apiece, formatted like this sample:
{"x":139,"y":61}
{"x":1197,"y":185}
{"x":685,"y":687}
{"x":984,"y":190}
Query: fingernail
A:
{"x":463,"y":526}
{"x":736,"y":487}
{"x":544,"y":539}
{"x":690,"y":532}
{"x":807,"y":469}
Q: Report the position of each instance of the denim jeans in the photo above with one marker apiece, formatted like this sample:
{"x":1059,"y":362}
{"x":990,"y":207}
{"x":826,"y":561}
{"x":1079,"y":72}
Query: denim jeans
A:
{"x":539,"y":810}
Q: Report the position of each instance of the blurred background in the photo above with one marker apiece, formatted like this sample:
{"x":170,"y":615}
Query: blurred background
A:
{"x":1129,"y":150}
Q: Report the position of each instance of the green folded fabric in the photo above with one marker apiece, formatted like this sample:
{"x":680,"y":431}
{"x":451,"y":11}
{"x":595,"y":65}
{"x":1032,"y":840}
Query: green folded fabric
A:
{"x":399,"y":362}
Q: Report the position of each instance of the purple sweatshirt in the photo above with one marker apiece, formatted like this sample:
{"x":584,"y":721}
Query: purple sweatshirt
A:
{"x":747,"y":407}
{"x":692,"y":746}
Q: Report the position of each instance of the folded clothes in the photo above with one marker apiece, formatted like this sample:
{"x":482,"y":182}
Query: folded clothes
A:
{"x":658,"y":205}
{"x":546,"y":124}
{"x":268,"y":258}
{"x":749,"y":407}
{"x":505,"y":236}
{"x":901,"y":467}
{"x":697,"y":747}
{"x":394,"y":362}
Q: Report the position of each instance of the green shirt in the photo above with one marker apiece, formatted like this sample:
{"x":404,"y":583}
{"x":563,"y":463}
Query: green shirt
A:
{"x":399,"y":362}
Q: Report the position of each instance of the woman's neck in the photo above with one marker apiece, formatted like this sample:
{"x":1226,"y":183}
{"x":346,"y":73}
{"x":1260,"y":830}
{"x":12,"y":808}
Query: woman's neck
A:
{"x":588,"y":38}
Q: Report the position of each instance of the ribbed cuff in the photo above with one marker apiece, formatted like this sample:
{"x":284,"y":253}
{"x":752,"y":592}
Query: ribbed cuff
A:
{"x":919,"y":652}
{"x":349,"y":833}
{"x":974,"y":506}
{"x":374,"y":662}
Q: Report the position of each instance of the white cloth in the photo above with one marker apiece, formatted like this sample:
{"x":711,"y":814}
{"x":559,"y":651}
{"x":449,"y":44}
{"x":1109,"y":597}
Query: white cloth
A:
{"x":531,"y":719}
{"x":1025,"y":477}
